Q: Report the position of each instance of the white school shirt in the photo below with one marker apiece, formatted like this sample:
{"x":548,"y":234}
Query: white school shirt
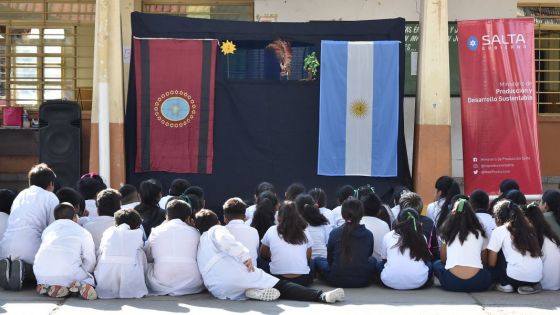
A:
{"x":328,"y":214}
{"x":172,"y":247}
{"x":434,"y":209}
{"x":519,"y":267}
{"x":91,"y":207}
{"x":286,"y":258}
{"x":163,"y":201}
{"x":249,"y":212}
{"x":67,"y":254}
{"x":97,"y":226}
{"x":319,"y":239}
{"x":401,"y":272}
{"x":466,"y":254}
{"x":488,"y":223}
{"x":131,"y":205}
{"x":337,"y":217}
{"x":551,"y":262}
{"x":3,"y":223}
{"x":220,"y":261}
{"x":378,"y":228}
{"x":394,"y":213}
{"x":31,"y":213}
{"x":121,"y":263}
{"x":246,"y":235}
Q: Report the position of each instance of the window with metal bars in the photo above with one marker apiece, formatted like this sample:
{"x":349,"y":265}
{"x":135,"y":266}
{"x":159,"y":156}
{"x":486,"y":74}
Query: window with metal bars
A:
{"x":240,"y":10}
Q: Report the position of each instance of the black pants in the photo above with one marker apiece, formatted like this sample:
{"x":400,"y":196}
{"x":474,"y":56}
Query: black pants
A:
{"x":293,"y":291}
{"x":304,"y":280}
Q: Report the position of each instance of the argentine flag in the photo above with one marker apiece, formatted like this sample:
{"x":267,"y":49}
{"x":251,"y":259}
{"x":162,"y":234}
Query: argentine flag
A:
{"x":359,"y":108}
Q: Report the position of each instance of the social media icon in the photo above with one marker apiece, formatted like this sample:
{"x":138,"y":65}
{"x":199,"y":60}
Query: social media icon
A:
{"x":475,"y":172}
{"x":474,"y":159}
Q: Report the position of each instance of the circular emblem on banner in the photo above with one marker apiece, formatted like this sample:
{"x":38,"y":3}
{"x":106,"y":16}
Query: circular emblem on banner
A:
{"x":359,"y":108}
{"x":175,"y":108}
{"x":472,"y":43}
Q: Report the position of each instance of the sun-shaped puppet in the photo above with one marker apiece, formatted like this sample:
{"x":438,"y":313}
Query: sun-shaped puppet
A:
{"x":228,"y":47}
{"x":359,"y":108}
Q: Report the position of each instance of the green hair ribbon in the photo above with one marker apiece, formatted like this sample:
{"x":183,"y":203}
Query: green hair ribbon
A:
{"x":461,"y":204}
{"x":410,"y":216}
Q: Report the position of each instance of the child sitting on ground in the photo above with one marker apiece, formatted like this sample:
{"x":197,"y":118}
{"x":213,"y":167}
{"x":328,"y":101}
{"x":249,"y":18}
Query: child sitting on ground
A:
{"x":89,"y":186}
{"x":108,"y":202}
{"x":320,"y":197}
{"x":261,"y":187}
{"x":121,"y":261}
{"x":480,"y":203}
{"x":66,"y":258}
{"x":234,"y":214}
{"x":152,"y":215}
{"x":342,"y":194}
{"x":228,"y":271}
{"x":32,"y":212}
{"x":171,"y":249}
{"x":129,"y":196}
{"x":317,"y":225}
{"x":7,"y":197}
{"x":414,"y":201}
{"x":176,"y":189}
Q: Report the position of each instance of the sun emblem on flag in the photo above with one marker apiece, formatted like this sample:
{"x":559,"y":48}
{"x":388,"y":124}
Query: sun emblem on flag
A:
{"x":175,"y":108}
{"x":359,"y":108}
{"x":228,"y":47}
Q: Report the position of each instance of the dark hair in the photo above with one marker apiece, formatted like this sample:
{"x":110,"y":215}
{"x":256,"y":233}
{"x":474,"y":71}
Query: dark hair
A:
{"x":479,"y":200}
{"x":41,"y":175}
{"x":178,"y":186}
{"x":343,"y":193}
{"x":506,"y":185}
{"x":409,"y":229}
{"x":7,"y":197}
{"x":150,"y":192}
{"x":263,"y":218}
{"x":128,"y":193}
{"x":128,"y":216}
{"x":411,"y":200}
{"x":517,"y":197}
{"x":398,"y":191}
{"x":108,"y":202}
{"x":90,"y":185}
{"x":305,"y":205}
{"x":234,"y":208}
{"x":552,"y":199}
{"x":178,"y":209}
{"x":451,"y":190}
{"x":319,"y":196}
{"x":363,"y":191}
{"x":542,"y":229}
{"x":352,"y":212}
{"x":205,"y":219}
{"x":72,"y":196}
{"x":262,"y":187}
{"x":373,"y":207}
{"x":195,"y":190}
{"x":193,"y":200}
{"x":64,"y":210}
{"x":523,"y":234}
{"x":291,"y":226}
{"x":461,"y":222}
{"x":294,"y":190}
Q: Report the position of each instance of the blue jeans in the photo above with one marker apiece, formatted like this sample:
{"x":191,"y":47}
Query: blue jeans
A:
{"x":478,"y":283}
{"x":355,"y":281}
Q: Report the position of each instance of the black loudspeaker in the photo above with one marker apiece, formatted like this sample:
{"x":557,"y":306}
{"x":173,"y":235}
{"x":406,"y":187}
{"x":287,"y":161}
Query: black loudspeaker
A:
{"x":60,"y":139}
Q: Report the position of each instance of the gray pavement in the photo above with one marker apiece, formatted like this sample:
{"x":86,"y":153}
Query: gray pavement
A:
{"x":372,"y":300}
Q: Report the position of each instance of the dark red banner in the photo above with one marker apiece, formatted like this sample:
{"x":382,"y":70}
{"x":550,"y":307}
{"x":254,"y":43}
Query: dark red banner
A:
{"x":498,"y":104}
{"x":175,"y":104}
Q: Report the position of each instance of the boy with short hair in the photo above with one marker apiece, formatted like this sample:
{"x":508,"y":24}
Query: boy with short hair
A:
{"x":65,"y":260}
{"x":177,"y":188}
{"x":108,"y":202}
{"x":32,"y":212}
{"x":129,"y":196}
{"x":121,"y":260}
{"x":234,"y":216}
{"x":174,"y":270}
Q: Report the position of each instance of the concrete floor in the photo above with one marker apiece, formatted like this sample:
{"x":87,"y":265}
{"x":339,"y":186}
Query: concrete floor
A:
{"x":372,"y":300}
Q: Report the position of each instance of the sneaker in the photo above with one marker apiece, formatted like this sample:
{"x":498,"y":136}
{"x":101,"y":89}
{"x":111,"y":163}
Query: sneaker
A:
{"x":16,"y":275}
{"x":333,"y":296}
{"x":268,"y":294}
{"x":529,"y":289}
{"x":42,"y":289}
{"x":57,"y":291}
{"x":5,"y":273}
{"x":86,"y":291}
{"x":504,"y":288}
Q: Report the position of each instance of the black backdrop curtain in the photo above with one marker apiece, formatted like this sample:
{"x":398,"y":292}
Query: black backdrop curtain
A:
{"x":264,"y":130}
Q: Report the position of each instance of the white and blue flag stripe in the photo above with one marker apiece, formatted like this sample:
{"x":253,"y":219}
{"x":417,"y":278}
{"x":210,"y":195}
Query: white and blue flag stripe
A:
{"x":359,"y":108}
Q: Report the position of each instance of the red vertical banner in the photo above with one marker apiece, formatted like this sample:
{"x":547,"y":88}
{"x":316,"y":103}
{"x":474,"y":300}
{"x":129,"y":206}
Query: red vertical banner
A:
{"x":498,"y":104}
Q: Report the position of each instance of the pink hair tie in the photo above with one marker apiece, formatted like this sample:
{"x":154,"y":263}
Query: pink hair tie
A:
{"x":316,"y":205}
{"x":90,"y":175}
{"x":349,"y":221}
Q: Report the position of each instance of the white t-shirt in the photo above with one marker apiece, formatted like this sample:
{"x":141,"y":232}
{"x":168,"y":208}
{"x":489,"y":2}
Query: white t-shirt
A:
{"x":249,"y":212}
{"x":466,"y":254}
{"x":96,"y":226}
{"x":434,"y":208}
{"x":163,"y":201}
{"x":3,"y":223}
{"x":131,"y":205}
{"x":519,"y":267}
{"x":395,"y":213}
{"x":401,"y":272}
{"x":320,"y":238}
{"x":337,"y":217}
{"x":328,"y":214}
{"x":91,"y":207}
{"x":488,"y":223}
{"x":286,"y":258}
{"x":246,"y":235}
{"x":551,"y":263}
{"x":378,"y":228}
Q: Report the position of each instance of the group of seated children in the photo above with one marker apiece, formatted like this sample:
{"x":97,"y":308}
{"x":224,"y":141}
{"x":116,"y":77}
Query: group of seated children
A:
{"x":125,"y":245}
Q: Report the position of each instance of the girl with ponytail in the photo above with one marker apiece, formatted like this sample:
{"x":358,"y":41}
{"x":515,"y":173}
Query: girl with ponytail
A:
{"x":318,"y":226}
{"x":265,"y":213}
{"x":515,"y":251}
{"x":349,"y":263}
{"x":406,"y":258}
